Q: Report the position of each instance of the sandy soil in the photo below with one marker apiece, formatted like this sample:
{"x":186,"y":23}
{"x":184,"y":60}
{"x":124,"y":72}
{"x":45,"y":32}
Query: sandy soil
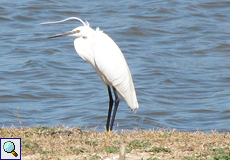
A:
{"x":74,"y":143}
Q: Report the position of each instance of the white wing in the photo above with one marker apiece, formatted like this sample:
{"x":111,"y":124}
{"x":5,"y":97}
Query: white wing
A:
{"x":111,"y":66}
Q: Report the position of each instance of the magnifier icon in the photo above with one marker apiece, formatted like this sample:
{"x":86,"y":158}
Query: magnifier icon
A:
{"x":9,"y":147}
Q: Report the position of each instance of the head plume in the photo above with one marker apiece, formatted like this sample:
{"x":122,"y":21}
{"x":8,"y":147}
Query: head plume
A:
{"x":70,"y":18}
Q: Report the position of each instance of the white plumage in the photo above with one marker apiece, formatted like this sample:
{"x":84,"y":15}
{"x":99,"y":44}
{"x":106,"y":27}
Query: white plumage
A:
{"x":98,"y":49}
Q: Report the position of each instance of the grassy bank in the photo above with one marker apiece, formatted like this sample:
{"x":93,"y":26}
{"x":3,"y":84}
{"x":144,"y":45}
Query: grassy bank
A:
{"x":74,"y":143}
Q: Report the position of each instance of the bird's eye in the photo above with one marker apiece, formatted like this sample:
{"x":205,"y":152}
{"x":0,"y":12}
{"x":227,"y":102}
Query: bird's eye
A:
{"x":77,"y":31}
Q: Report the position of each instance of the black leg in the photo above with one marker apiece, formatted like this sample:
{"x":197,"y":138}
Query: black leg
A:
{"x":115,"y":108}
{"x":110,"y":108}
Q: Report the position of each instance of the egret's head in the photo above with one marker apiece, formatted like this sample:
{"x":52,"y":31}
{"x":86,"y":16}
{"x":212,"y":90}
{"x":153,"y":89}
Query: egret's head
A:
{"x":79,"y":32}
{"x":82,"y":31}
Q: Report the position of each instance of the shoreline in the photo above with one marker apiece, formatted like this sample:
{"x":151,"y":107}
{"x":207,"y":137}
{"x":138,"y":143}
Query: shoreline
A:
{"x":73,"y":143}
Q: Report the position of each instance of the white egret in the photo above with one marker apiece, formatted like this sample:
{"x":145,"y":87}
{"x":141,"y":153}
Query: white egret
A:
{"x":98,"y":49}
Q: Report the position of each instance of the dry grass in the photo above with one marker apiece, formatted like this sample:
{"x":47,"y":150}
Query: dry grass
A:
{"x":74,"y":143}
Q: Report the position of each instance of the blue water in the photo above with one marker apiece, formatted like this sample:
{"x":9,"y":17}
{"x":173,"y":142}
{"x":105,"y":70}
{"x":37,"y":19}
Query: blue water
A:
{"x":178,"y":53}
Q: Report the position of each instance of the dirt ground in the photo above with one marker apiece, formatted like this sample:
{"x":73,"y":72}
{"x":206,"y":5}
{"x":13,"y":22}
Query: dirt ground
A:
{"x":73,"y":143}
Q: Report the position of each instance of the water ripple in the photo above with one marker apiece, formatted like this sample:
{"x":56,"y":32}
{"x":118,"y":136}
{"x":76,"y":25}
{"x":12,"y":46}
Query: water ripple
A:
{"x":178,"y":53}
